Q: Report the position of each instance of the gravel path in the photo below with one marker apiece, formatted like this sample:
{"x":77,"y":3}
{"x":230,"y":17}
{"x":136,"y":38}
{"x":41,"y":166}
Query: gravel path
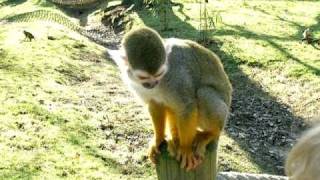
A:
{"x":247,"y":176}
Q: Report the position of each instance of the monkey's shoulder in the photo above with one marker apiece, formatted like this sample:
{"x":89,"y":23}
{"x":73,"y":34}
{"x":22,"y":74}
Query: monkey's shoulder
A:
{"x":188,"y":48}
{"x":188,"y":56}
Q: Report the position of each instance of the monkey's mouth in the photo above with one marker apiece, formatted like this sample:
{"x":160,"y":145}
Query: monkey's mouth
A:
{"x":150,"y":85}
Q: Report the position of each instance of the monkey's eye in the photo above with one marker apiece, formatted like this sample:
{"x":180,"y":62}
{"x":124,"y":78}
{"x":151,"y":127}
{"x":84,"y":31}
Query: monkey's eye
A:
{"x":159,"y":74}
{"x":142,"y":77}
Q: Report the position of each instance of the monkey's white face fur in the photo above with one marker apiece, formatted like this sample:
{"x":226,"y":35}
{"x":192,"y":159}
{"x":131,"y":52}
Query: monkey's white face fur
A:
{"x":137,"y":76}
{"x":147,"y":80}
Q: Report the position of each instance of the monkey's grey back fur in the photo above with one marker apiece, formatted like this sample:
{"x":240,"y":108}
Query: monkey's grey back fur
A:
{"x":192,"y":68}
{"x":195,"y":78}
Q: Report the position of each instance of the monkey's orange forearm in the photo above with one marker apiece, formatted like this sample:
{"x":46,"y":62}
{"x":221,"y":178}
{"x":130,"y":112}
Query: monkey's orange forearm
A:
{"x":187,"y":129}
{"x":157,"y":112}
{"x":171,"y":120}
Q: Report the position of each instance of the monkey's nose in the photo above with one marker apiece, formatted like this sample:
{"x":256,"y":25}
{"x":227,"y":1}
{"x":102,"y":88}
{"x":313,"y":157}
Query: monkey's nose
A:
{"x":150,"y":85}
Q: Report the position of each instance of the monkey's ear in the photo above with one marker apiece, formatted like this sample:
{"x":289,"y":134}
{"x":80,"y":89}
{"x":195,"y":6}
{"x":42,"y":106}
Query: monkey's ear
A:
{"x":118,"y":56}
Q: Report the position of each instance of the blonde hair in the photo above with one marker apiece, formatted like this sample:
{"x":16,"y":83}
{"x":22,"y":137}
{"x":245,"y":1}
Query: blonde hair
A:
{"x":303,"y":162}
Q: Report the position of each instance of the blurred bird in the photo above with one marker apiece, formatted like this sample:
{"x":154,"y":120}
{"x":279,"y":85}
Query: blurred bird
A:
{"x":307,"y":36}
{"x":28,"y":35}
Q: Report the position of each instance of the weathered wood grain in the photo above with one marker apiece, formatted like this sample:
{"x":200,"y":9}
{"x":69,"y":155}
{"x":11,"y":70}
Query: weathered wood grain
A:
{"x":169,"y":169}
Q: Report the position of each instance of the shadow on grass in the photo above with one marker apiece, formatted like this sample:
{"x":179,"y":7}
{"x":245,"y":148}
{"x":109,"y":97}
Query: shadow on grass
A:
{"x":300,"y":28}
{"x":241,"y":31}
{"x":79,"y":141}
{"x":296,"y":25}
{"x":12,"y":2}
{"x":180,"y":10}
{"x":24,"y":171}
{"x":96,"y":153}
{"x":261,"y":125}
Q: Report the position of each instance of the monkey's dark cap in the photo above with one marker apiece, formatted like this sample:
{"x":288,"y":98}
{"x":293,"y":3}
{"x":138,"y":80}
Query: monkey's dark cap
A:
{"x":145,"y":49}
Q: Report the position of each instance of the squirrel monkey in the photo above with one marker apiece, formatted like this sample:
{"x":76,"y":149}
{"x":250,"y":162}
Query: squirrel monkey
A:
{"x":303,"y":162}
{"x":184,"y":86}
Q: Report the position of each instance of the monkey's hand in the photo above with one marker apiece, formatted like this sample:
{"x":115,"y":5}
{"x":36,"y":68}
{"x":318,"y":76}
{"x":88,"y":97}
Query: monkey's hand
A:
{"x":154,"y":150}
{"x":200,"y":149}
{"x":173,"y":144}
{"x":187,"y":158}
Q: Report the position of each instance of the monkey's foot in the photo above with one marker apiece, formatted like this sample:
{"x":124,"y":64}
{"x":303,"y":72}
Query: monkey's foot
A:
{"x":154,"y":151}
{"x":200,"y":149}
{"x":172,"y":147}
{"x":187,"y":158}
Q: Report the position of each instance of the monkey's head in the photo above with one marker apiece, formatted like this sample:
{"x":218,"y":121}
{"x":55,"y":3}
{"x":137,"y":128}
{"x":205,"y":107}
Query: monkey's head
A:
{"x":143,"y":56}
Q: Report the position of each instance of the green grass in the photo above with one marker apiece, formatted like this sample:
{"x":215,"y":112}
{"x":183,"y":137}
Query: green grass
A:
{"x":55,"y":101}
{"x":66,"y":114}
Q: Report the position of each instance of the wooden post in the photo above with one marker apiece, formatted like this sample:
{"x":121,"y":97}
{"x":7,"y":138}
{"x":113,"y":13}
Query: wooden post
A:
{"x":169,"y":169}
